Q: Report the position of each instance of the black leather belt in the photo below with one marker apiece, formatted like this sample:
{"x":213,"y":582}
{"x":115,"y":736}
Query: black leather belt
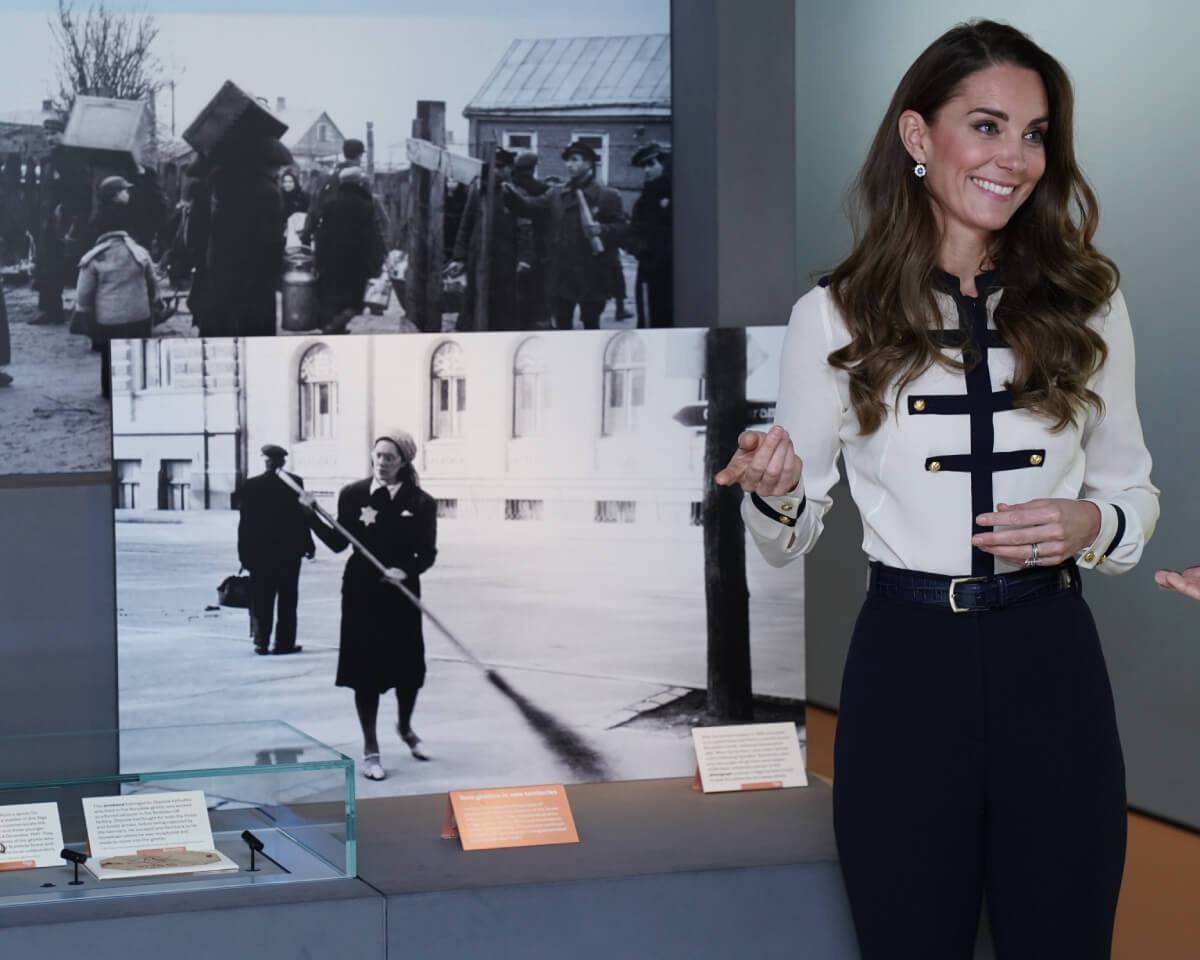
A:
{"x":970,"y":594}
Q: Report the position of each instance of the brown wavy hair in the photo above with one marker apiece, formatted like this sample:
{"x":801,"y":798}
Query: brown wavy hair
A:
{"x":1054,"y":280}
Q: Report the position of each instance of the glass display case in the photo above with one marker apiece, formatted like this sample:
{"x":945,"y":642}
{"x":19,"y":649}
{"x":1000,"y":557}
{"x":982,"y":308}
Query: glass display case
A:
{"x":291,"y":792}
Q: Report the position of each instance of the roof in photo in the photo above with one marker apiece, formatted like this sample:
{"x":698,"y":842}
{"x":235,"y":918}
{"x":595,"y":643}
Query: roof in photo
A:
{"x":579,"y":73}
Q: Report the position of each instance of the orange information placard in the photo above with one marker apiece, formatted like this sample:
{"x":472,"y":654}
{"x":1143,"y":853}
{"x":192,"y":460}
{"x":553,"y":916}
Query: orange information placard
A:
{"x":509,"y":817}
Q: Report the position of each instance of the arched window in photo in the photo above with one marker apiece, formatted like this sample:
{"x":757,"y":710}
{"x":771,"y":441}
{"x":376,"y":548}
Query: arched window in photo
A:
{"x":318,"y":394}
{"x":448,"y":391}
{"x":624,"y":384}
{"x":531,"y":389}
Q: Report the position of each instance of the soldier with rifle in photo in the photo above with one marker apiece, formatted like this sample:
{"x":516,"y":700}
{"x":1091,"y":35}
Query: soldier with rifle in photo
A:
{"x":585,"y":223}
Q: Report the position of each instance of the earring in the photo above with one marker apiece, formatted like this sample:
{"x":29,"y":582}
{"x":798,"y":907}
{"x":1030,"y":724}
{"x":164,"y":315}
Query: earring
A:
{"x":919,"y":170}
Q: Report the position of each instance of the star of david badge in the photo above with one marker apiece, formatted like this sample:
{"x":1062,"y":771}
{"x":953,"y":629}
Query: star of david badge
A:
{"x":368,"y":515}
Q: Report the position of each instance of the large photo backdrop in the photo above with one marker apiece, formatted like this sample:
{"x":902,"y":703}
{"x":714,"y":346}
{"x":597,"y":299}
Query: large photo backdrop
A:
{"x":452,"y":166}
{"x":569,"y":479}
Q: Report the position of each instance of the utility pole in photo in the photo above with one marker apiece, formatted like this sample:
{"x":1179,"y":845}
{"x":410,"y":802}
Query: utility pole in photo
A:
{"x":427,"y":184}
{"x":727,"y":598}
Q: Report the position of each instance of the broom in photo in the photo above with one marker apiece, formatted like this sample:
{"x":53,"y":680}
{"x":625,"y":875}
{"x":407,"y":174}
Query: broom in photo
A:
{"x":567,"y":745}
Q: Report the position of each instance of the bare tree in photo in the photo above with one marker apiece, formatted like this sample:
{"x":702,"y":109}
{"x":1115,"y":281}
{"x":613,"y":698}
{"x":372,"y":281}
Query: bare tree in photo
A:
{"x":105,"y":54}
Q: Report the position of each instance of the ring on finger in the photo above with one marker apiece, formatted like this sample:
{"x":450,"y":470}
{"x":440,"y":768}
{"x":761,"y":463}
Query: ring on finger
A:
{"x":1034,"y":559}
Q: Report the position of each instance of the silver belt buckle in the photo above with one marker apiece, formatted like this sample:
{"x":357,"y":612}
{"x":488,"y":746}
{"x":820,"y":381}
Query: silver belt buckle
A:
{"x":954,"y":582}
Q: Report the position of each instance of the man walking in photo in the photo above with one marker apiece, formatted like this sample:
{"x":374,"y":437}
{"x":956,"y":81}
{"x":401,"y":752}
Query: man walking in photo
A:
{"x":273,"y":534}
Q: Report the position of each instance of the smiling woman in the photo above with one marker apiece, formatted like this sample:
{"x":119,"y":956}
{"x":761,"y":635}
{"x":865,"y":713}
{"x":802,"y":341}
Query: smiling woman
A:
{"x":984,"y":155}
{"x":971,"y":361}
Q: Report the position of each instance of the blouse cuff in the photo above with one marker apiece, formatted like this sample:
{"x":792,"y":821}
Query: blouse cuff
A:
{"x":769,"y":516}
{"x":1112,"y":532}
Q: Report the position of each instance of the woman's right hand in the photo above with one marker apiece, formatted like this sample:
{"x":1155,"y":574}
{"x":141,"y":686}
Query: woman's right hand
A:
{"x":765,"y":463}
{"x":394,"y":575}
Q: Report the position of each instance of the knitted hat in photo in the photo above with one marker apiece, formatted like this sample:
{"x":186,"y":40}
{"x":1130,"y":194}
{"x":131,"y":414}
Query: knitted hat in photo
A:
{"x":402,"y":440}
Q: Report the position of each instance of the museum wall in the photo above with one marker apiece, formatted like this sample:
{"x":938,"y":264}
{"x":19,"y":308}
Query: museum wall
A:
{"x":1136,"y":83}
{"x":58,"y":619}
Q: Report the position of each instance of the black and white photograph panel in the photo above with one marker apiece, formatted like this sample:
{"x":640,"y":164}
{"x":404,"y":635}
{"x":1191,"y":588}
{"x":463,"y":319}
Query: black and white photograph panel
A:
{"x":461,"y":559}
{"x":166,"y":171}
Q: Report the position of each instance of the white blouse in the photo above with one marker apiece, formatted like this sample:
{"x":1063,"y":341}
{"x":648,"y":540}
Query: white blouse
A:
{"x":955,"y":449}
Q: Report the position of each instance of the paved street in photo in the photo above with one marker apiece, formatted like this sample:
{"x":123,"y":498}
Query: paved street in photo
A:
{"x":593,"y":629}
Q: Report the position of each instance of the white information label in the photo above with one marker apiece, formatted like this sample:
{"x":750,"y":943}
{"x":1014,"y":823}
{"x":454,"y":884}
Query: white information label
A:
{"x":30,"y":836}
{"x":152,"y":833}
{"x":749,"y":756}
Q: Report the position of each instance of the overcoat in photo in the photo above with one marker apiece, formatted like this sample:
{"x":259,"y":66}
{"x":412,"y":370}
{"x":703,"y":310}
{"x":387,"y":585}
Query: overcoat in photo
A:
{"x":382,"y":644}
{"x":273,"y":536}
{"x":506,"y":249}
{"x":272,"y":525}
{"x":244,"y":257}
{"x":651,"y":242}
{"x":575,"y":272}
{"x":350,"y":248}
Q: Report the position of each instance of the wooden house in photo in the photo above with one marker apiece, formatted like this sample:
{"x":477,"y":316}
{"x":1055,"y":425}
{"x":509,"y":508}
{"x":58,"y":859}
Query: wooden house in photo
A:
{"x":314,"y":140}
{"x":614,"y":93}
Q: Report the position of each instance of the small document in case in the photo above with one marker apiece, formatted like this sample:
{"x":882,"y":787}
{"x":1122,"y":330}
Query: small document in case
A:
{"x":747,"y":756}
{"x":30,"y":836}
{"x":509,"y":817}
{"x":151,"y":834}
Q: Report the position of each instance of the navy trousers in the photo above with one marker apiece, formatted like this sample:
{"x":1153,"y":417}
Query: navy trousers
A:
{"x":977,"y":757}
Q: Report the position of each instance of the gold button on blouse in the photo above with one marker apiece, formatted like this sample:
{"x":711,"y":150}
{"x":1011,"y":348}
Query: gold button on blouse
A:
{"x":1089,"y":556}
{"x":787,"y":506}
{"x":918,"y":405}
{"x":935,"y":466}
{"x":1035,"y":459}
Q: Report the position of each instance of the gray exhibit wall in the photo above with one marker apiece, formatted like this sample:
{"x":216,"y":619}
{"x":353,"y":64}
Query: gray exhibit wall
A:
{"x":57,"y":618}
{"x":734,"y":91}
{"x":1136,"y":82}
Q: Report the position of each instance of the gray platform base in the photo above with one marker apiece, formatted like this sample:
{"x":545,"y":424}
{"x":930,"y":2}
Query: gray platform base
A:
{"x":660,"y":871}
{"x":324,"y":918}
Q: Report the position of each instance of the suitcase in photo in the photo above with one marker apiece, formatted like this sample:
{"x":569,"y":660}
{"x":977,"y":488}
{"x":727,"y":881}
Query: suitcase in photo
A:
{"x":230,"y":119}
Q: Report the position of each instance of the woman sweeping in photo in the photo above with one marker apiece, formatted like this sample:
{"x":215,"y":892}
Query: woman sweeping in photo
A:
{"x":382,"y":645}
{"x":972,"y":362}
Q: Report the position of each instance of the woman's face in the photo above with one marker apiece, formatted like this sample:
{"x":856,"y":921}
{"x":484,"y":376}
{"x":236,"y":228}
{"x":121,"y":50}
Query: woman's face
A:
{"x":288,"y":182}
{"x":652,"y":169}
{"x":386,"y":461}
{"x":985,"y":150}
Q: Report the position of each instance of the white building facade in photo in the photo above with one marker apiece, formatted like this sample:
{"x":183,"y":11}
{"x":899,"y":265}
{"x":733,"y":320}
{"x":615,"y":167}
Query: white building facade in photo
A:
{"x":540,"y":428}
{"x":178,"y":415}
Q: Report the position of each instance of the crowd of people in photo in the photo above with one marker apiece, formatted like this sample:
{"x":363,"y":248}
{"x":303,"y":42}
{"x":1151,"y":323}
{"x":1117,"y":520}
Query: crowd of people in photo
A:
{"x":244,"y":219}
{"x":94,"y":238}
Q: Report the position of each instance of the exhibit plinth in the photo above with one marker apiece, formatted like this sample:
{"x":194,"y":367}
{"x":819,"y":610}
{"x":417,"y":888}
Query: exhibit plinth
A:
{"x":293,"y":795}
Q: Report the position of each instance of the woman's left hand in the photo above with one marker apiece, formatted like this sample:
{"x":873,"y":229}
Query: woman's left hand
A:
{"x":1186,"y":581}
{"x":1060,"y":528}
